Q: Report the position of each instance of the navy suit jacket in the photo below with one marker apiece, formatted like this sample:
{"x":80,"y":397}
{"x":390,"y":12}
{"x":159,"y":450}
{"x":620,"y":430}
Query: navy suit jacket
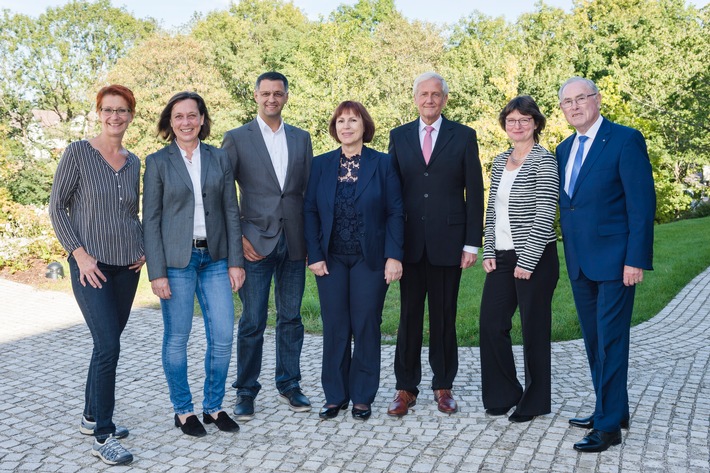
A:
{"x":443,"y":200}
{"x":608,"y":221}
{"x":378,"y":203}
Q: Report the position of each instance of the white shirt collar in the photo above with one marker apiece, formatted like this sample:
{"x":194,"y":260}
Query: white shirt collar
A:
{"x":436,"y":124}
{"x":264,"y":127}
{"x":593,"y":130}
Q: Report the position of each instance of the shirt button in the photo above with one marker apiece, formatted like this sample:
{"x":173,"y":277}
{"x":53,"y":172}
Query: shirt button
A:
{"x":426,"y":195}
{"x":426,"y":174}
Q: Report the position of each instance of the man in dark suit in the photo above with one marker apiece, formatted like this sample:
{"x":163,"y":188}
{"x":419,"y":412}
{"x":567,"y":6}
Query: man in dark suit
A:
{"x":442,"y":187}
{"x":607,"y":207}
{"x":271,"y":162}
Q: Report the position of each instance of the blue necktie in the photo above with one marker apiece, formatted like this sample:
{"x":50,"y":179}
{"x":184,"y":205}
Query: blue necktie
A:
{"x":576,"y":165}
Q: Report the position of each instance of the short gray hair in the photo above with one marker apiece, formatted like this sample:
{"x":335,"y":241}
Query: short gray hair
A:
{"x":592,"y":86}
{"x":430,"y":75}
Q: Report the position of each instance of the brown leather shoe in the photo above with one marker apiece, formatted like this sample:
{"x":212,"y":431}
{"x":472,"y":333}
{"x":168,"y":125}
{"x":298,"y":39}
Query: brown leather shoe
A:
{"x":403,"y":400}
{"x":445,"y":401}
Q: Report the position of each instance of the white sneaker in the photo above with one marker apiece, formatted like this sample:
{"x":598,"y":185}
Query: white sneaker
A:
{"x":88,"y":427}
{"x":111,"y":452}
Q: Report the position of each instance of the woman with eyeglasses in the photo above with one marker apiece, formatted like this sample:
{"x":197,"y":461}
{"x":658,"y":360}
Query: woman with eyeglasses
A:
{"x":193,"y":248}
{"x":520,"y":259}
{"x":94,"y":212}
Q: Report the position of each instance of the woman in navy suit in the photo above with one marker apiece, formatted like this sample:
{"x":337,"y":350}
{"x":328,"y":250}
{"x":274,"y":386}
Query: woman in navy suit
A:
{"x":354,"y":227}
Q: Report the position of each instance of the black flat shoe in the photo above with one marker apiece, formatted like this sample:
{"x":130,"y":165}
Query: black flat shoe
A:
{"x":331,"y":412}
{"x":361,"y":414}
{"x":515,"y":417}
{"x":223,"y":422}
{"x":498,"y":411}
{"x":192,"y":426}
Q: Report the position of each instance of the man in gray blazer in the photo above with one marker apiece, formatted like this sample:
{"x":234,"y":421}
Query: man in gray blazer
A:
{"x":271,"y":162}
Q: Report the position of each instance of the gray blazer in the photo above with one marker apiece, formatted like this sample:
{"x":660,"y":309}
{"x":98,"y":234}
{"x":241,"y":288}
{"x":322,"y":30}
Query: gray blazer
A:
{"x":169,"y":205}
{"x":267,"y":210}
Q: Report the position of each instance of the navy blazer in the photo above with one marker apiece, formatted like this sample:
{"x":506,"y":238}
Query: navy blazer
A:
{"x":378,"y":203}
{"x":608,"y":222}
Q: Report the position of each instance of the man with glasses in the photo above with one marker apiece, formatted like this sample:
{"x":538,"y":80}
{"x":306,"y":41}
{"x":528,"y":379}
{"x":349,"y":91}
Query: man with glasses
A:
{"x":271,"y":162}
{"x":607,"y":207}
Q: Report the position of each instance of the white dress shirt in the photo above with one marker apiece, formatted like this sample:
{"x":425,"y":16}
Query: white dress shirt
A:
{"x":277,"y":147}
{"x":194,"y":167}
{"x":590,"y":134}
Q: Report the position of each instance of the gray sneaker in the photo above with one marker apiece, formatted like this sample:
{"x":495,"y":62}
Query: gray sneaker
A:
{"x":111,"y":452}
{"x":88,"y":427}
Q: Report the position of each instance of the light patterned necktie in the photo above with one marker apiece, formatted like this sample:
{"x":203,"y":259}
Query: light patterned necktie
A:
{"x":426,"y":147}
{"x":576,"y":165}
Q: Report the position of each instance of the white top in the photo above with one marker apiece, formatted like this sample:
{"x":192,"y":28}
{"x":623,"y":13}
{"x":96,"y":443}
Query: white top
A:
{"x":194,"y":167}
{"x":590,"y":134}
{"x":504,"y":237}
{"x":278,"y":148}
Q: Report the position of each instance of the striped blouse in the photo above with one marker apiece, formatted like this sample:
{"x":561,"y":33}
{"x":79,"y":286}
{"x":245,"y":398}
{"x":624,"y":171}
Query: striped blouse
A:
{"x":531,"y":209}
{"x":96,"y":207}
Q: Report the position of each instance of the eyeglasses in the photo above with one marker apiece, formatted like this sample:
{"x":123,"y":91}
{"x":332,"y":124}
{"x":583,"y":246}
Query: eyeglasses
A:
{"x":121,"y":112}
{"x":521,"y":121}
{"x":581,"y":100}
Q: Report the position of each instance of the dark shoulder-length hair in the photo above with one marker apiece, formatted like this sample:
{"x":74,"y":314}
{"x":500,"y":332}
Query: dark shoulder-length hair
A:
{"x":165,"y":131}
{"x":525,"y":105}
{"x":357,"y":109}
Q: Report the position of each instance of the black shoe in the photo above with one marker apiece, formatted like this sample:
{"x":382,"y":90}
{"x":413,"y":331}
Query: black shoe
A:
{"x":515,"y":417}
{"x":192,"y":426}
{"x":296,"y":400}
{"x":598,"y":441}
{"x":588,"y":422}
{"x":361,"y":414}
{"x":223,"y":422}
{"x":244,"y":409}
{"x":498,"y":411}
{"x":332,"y":411}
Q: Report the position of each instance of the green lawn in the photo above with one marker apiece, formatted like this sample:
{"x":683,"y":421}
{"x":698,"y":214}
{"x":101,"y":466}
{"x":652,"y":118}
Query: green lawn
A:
{"x":681,"y":252}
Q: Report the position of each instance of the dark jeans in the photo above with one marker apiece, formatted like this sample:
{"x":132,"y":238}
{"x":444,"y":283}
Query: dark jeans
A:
{"x":106,"y":312}
{"x":289,"y":283}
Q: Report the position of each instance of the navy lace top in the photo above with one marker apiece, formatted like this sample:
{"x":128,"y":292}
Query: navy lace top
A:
{"x":344,"y":239}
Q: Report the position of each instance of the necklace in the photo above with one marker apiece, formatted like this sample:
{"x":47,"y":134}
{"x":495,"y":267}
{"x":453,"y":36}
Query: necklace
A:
{"x":517,"y":161}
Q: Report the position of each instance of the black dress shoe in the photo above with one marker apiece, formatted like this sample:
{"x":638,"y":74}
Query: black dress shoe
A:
{"x":192,"y":426}
{"x":515,"y":417}
{"x":588,"y":422}
{"x":498,"y":411}
{"x":361,"y":414}
{"x":598,"y":441}
{"x":331,"y":412}
{"x":244,"y":409}
{"x":223,"y":422}
{"x":296,"y":400}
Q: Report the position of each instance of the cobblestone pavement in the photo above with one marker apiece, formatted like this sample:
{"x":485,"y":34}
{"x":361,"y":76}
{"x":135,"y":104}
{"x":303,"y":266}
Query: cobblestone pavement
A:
{"x":45,"y":348}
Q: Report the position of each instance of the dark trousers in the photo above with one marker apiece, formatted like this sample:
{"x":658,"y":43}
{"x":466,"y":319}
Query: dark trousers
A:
{"x":604,"y":309}
{"x":106,"y":312}
{"x":351,"y":298}
{"x":502,"y":293}
{"x":441,"y":285}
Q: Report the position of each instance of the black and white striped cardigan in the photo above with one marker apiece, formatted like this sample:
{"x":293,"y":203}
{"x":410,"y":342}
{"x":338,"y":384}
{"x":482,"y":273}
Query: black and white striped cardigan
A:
{"x":532,"y":206}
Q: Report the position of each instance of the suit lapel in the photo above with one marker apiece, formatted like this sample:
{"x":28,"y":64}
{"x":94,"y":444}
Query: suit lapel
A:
{"x":262,"y":153}
{"x":176,"y":160}
{"x":445,"y":135}
{"x":595,"y":152}
{"x":205,"y":162}
{"x":330,"y":176}
{"x":562,"y":157}
{"x":368,"y":165}
{"x":291,"y":145}
{"x":412,"y":134}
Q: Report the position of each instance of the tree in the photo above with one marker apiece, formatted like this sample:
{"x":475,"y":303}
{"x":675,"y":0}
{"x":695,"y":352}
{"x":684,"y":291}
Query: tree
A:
{"x":159,"y":68}
{"x":52,"y":62}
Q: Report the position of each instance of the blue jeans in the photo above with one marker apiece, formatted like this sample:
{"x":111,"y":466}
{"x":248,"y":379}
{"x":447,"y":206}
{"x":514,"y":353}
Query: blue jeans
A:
{"x":210,"y":281}
{"x":289,"y":283}
{"x":106,"y":312}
